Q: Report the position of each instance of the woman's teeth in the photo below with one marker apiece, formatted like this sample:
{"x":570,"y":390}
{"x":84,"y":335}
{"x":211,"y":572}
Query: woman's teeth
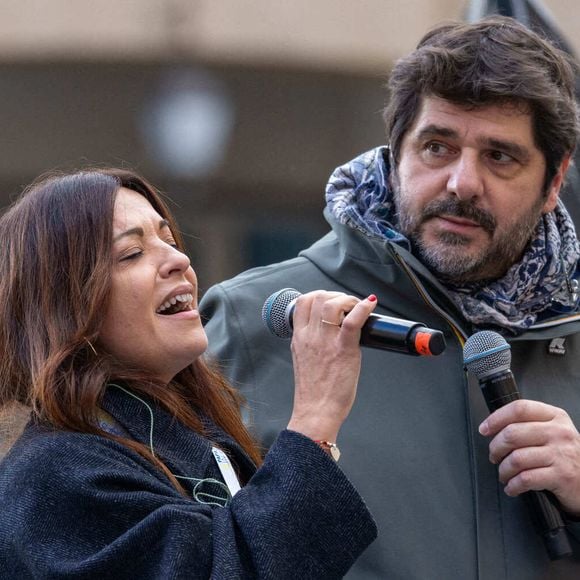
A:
{"x":184,"y":301}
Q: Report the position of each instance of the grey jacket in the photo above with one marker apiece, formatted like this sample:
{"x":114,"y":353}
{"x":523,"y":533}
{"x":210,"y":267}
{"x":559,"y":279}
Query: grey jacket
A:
{"x":410,"y":445}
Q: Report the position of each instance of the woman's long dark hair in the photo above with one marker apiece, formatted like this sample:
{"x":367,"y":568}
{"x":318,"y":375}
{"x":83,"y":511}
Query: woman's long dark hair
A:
{"x":55,"y":283}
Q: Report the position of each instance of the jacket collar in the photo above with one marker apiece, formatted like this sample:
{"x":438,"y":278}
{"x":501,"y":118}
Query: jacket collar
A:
{"x":183,"y":450}
{"x":365,"y":263}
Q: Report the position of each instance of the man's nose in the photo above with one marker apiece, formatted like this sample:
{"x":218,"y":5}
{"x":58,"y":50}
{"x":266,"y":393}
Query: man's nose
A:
{"x":466,"y":177}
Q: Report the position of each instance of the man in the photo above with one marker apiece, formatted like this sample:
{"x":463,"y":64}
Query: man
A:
{"x":457,"y":224}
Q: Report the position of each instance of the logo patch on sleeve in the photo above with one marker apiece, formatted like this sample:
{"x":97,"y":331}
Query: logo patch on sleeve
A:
{"x":557,"y":346}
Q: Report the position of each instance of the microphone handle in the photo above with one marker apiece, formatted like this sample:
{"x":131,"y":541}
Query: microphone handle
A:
{"x":385,"y":332}
{"x":403,"y":336}
{"x":499,"y":390}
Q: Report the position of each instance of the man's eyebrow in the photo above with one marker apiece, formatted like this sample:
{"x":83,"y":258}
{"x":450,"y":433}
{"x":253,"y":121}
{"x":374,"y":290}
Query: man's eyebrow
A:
{"x":509,"y":147}
{"x":138,"y":231}
{"x":433,"y":130}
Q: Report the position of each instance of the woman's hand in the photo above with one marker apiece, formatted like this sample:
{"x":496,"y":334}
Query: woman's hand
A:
{"x":326,"y":355}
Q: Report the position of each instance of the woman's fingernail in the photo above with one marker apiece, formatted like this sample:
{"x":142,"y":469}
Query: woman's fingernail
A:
{"x":372,"y":298}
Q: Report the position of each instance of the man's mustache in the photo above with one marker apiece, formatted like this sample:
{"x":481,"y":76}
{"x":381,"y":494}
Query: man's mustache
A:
{"x":461,"y":209}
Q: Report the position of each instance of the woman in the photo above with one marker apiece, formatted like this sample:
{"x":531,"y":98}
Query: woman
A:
{"x":131,"y":463}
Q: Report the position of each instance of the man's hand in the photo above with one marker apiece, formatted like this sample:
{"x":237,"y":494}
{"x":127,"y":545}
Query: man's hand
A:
{"x":537,"y":447}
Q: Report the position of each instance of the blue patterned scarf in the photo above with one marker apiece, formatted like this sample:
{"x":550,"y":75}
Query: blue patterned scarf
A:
{"x":358,"y":196}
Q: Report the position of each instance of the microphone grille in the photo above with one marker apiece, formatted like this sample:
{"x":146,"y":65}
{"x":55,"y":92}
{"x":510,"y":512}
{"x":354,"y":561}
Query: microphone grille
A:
{"x":275,"y":312}
{"x":486,"y":353}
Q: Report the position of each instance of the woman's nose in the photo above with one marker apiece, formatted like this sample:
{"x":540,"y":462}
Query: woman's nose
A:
{"x":175,"y":262}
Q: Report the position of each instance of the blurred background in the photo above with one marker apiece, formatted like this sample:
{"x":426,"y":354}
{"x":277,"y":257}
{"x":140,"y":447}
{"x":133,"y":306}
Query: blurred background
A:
{"x":237,"y":109}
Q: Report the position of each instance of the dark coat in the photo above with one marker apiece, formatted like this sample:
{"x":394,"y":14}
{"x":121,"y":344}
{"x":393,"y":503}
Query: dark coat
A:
{"x":76,"y":505}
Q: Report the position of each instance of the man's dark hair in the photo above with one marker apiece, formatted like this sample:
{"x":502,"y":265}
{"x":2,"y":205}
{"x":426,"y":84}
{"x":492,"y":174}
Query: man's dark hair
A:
{"x":493,"y":61}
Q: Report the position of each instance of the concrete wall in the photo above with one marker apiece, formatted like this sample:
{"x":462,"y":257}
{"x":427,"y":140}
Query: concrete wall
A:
{"x":304,"y":79}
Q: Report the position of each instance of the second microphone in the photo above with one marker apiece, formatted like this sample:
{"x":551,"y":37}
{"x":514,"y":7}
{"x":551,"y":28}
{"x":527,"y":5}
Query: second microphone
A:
{"x":382,"y":332}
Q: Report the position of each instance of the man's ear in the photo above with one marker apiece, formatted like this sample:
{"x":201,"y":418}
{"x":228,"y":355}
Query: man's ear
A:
{"x":556,"y":185}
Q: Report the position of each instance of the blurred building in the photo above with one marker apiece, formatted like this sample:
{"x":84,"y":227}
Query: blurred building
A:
{"x":237,"y":109}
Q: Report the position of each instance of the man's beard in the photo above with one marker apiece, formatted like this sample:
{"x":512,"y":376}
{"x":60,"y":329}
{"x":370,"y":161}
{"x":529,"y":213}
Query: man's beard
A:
{"x":444,"y":256}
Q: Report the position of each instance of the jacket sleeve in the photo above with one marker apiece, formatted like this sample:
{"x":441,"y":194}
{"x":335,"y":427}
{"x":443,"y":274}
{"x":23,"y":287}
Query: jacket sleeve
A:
{"x":256,"y":362}
{"x":229,"y":336}
{"x":80,"y":506}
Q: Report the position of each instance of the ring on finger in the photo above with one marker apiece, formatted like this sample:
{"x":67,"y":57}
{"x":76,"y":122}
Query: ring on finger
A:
{"x":322,"y":321}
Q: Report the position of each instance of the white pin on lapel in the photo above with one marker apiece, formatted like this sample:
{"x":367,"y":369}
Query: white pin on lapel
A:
{"x":227,"y":470}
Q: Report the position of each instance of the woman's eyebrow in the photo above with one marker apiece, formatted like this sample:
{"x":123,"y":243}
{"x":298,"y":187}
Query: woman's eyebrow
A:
{"x":138,"y":231}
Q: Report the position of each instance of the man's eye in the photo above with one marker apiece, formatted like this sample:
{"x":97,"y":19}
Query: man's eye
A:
{"x":500,"y":157}
{"x":436,"y":148}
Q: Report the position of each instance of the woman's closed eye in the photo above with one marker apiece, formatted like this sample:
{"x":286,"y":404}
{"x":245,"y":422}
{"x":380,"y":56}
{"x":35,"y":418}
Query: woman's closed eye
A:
{"x":132,"y":255}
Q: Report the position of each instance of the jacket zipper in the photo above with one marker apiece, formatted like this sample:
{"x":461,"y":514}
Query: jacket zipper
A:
{"x":461,"y":337}
{"x":459,"y":333}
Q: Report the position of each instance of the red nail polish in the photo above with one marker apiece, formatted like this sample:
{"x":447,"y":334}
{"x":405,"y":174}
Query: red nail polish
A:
{"x":372,"y":298}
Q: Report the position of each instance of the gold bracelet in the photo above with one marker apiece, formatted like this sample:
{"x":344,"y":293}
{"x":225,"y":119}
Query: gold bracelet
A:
{"x":331,"y":448}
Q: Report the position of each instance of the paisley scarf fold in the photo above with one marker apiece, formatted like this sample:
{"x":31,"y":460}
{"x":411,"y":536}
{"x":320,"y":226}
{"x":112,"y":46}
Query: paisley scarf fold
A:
{"x":358,"y":195}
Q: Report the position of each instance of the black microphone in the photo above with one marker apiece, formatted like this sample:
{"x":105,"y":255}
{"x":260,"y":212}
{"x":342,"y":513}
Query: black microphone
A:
{"x":383,"y":332}
{"x":488,"y":356}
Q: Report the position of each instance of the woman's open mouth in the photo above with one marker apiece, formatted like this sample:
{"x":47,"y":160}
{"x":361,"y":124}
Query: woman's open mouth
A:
{"x":175,"y":304}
